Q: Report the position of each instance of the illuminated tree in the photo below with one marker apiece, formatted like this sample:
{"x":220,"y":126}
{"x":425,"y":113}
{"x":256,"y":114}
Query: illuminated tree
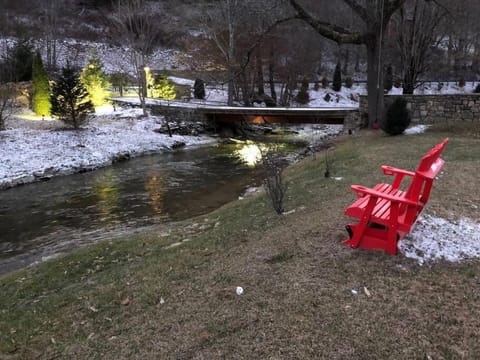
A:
{"x":70,"y":100}
{"x":41,"y":87}
{"x":161,"y":88}
{"x":94,"y":79}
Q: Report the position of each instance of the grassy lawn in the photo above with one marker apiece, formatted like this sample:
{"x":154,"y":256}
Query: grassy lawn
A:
{"x":158,"y":296}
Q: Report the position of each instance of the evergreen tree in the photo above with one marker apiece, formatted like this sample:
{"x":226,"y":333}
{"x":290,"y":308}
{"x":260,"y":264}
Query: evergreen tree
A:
{"x":70,"y":100}
{"x":337,"y":78}
{"x":95,"y":81}
{"x":119,"y":81}
{"x":18,"y":61}
{"x":388,"y":82}
{"x":41,"y":87}
{"x":162,"y":88}
{"x":303,"y":97}
{"x":199,"y":89}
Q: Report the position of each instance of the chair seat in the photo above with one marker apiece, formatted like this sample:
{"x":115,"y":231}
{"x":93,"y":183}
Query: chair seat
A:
{"x":381,"y":211}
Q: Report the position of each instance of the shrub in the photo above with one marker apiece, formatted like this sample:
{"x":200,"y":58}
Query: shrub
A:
{"x":316,"y":86}
{"x":461,"y":82}
{"x":397,"y":118}
{"x":348,"y":82}
{"x":324,"y":82}
{"x":303,"y":97}
{"x":477,"y":89}
{"x":337,"y":78}
{"x":273,"y":182}
{"x":199,"y":89}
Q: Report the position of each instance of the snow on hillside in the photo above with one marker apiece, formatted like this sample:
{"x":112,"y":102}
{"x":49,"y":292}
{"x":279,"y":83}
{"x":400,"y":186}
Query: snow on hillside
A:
{"x":114,"y":58}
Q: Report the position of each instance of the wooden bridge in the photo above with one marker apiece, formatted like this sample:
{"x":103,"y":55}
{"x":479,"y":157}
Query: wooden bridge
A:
{"x":260,"y":115}
{"x":257,"y":115}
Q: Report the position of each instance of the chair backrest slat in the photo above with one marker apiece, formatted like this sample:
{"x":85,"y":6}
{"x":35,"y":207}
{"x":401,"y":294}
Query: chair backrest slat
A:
{"x":429,"y":166}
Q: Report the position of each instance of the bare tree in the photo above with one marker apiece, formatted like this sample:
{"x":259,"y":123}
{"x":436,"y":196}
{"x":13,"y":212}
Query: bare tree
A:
{"x":136,"y":26}
{"x":375,"y":15}
{"x":417,"y":34}
{"x":7,"y":102}
{"x":237,"y":28}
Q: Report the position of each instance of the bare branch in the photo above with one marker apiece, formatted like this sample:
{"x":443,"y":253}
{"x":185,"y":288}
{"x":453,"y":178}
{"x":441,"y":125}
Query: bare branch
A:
{"x":330,"y":31}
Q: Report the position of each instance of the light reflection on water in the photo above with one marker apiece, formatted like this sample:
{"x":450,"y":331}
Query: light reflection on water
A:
{"x":41,"y":219}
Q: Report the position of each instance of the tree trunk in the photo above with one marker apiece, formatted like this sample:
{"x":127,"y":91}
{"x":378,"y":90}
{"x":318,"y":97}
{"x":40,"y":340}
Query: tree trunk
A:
{"x":230,"y":86}
{"x":374,"y":80}
{"x":271,"y":79}
{"x":260,"y":81}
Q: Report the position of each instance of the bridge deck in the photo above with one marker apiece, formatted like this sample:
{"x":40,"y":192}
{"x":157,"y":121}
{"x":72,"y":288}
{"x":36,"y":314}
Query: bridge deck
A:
{"x":330,"y":115}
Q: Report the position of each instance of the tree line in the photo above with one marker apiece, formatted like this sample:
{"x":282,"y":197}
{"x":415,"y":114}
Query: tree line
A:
{"x":255,"y":44}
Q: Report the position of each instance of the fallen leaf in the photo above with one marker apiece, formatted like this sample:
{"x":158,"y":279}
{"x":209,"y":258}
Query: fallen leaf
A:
{"x":126,"y":302}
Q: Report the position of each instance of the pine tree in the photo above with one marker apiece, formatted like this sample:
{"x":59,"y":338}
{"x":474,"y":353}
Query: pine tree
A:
{"x":337,"y":78}
{"x":95,"y":81}
{"x":199,"y":89}
{"x":162,"y":88}
{"x":70,"y":100}
{"x":41,"y":87}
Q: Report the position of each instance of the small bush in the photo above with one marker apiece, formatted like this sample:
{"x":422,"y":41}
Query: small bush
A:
{"x":316,"y":87}
{"x":273,"y":182}
{"x":348,"y":82}
{"x":397,"y":118}
{"x":303,"y":97}
{"x":477,"y":89}
{"x":461,"y":82}
{"x":324,"y":82}
{"x":337,"y":78}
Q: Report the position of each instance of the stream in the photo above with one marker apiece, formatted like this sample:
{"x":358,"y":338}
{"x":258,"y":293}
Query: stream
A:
{"x":41,"y":220}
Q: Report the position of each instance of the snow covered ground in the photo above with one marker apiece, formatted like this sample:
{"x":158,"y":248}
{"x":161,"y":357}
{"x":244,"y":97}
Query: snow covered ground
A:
{"x":435,"y":238}
{"x":36,"y":149}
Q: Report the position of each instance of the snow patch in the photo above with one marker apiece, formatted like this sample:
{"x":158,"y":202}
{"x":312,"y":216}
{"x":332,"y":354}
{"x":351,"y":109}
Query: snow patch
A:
{"x":418,"y":129}
{"x":435,"y":238}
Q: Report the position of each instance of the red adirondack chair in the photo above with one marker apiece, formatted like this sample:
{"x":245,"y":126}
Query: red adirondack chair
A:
{"x":386,"y":213}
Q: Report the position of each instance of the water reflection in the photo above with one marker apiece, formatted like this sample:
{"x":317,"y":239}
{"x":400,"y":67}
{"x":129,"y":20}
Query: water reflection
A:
{"x":156,"y":188}
{"x":252,"y":153}
{"x":108,"y":192}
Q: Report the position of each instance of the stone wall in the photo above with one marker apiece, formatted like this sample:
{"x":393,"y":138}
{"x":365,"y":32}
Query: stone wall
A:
{"x":178,"y":114}
{"x":435,"y":108}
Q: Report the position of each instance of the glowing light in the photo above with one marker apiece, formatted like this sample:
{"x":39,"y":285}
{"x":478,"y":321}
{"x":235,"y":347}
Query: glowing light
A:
{"x":250,"y":154}
{"x":146,"y":69}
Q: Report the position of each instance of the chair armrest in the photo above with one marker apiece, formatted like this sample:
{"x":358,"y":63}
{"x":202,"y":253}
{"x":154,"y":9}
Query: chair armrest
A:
{"x":389,"y":170}
{"x":361,"y":191}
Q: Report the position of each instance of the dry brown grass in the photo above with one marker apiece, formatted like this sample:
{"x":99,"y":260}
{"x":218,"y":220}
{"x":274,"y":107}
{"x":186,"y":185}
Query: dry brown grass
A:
{"x":298,"y":278}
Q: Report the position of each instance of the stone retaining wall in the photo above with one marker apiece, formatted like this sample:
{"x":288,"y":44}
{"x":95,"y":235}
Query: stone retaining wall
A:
{"x":436,"y":108}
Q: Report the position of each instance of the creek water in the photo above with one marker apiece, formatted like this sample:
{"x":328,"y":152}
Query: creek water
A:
{"x":41,"y":220}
